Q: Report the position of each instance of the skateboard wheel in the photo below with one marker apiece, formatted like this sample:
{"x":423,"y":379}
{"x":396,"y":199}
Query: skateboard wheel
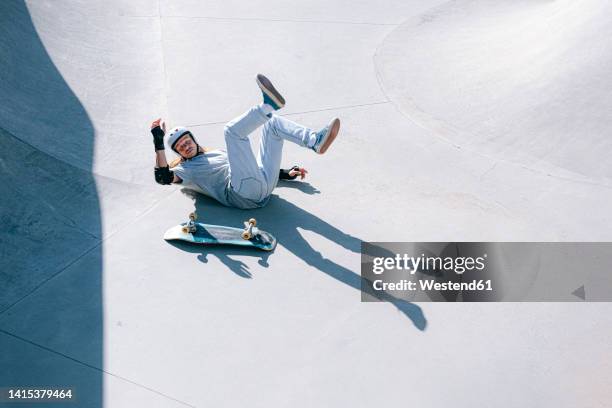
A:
{"x":246,"y":235}
{"x":185,"y":229}
{"x":253,"y":221}
{"x":193,"y":216}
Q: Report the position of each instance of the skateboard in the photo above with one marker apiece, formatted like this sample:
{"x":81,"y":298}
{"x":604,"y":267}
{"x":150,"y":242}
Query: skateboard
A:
{"x":208,"y":234}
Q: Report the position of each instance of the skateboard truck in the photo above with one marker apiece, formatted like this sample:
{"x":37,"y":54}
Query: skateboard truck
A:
{"x":190,"y":227}
{"x":250,"y":229}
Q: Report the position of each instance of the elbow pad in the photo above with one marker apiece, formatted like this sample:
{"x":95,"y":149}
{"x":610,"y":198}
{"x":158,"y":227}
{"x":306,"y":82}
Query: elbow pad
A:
{"x":163,"y":175}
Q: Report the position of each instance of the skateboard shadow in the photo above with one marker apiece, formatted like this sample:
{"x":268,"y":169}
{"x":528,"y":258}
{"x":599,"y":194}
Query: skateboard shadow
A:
{"x":223,"y":252}
{"x":283,"y":218}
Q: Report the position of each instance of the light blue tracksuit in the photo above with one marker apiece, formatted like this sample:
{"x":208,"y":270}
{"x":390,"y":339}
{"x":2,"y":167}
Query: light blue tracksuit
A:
{"x":241,"y":178}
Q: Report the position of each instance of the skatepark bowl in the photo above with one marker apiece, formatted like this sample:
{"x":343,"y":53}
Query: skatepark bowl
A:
{"x":466,"y":120}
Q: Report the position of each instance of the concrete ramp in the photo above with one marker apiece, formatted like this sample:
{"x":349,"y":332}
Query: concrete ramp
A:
{"x":523,"y":81}
{"x":461,"y":121}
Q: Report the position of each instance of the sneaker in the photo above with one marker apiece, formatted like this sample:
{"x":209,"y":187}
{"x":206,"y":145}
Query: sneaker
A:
{"x":326,"y":136}
{"x":270,"y":95}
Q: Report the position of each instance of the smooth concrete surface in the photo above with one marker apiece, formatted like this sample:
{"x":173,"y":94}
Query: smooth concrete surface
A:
{"x":446,"y":136}
{"x":520,"y":81}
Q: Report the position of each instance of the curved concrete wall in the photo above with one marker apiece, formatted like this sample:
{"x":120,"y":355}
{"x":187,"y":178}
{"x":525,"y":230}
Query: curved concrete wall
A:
{"x":523,"y":81}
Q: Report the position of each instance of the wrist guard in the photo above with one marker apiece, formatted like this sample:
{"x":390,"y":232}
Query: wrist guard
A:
{"x":284,"y":174}
{"x":158,"y":138}
{"x":163,"y":175}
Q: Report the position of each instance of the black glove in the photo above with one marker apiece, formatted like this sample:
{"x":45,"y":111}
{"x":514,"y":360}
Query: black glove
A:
{"x":284,"y":174}
{"x":158,"y":138}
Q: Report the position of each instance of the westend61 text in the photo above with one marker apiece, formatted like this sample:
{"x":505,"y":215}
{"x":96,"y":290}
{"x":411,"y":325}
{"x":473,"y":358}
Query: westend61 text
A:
{"x":430,"y":284}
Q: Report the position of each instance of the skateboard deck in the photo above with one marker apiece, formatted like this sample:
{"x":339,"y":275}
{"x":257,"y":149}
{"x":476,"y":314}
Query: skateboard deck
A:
{"x":208,"y":234}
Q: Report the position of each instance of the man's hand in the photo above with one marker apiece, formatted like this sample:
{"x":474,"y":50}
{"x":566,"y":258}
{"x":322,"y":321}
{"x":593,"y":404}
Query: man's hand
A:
{"x":299,"y":171}
{"x":158,"y":129}
{"x":292,"y":173}
{"x":159,"y":122}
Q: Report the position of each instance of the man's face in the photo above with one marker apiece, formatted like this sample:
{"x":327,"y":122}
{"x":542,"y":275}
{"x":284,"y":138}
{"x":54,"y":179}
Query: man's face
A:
{"x":186,"y":147}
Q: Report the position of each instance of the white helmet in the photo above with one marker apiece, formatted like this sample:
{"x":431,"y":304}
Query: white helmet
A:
{"x":175,"y":135}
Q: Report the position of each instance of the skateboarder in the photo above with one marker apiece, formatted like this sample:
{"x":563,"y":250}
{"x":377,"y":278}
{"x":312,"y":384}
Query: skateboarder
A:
{"x":238,"y":178}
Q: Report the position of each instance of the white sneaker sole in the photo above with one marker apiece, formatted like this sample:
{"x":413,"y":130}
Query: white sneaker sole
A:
{"x":266,"y":87}
{"x":332,"y":132}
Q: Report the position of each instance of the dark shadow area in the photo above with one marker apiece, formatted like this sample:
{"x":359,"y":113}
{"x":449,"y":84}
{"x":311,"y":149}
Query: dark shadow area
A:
{"x":303,"y":186}
{"x":224,"y":253}
{"x":282,"y":218}
{"x":49,"y":219}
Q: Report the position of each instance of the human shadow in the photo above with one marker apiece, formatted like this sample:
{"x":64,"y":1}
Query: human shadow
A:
{"x":283,"y":218}
{"x":303,"y":186}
